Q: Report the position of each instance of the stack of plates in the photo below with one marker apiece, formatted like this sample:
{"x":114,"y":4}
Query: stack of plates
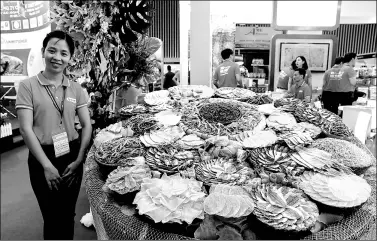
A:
{"x":157,"y":97}
{"x":343,"y":191}
{"x":284,"y":208}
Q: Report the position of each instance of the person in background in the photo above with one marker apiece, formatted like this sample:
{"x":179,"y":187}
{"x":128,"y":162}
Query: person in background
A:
{"x":347,"y":83}
{"x":298,"y":64}
{"x":300,"y":89}
{"x":331,"y":81}
{"x":228,"y":73}
{"x":177,"y":77}
{"x":46,"y":106}
{"x":168,"y":81}
{"x":284,"y":75}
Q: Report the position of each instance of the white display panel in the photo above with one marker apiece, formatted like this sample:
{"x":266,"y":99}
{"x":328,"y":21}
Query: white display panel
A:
{"x":306,"y":15}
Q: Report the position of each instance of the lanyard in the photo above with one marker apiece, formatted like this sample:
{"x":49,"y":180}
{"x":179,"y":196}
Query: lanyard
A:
{"x":60,"y":109}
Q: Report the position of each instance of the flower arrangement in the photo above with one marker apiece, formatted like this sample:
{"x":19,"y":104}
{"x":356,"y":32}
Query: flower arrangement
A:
{"x":112,"y":48}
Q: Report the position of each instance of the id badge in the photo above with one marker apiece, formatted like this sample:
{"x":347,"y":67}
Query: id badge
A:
{"x":60,"y":141}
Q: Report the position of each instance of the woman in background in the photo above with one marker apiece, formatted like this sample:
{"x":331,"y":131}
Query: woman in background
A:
{"x":301,"y":63}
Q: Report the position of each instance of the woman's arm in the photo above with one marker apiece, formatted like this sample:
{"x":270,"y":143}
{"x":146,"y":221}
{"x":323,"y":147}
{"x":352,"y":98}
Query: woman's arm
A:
{"x":25,"y":117}
{"x":86,"y":132}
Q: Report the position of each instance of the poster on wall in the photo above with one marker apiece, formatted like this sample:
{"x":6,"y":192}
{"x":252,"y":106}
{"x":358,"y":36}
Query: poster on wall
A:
{"x":316,"y":55}
{"x":254,"y":36}
{"x":24,"y":25}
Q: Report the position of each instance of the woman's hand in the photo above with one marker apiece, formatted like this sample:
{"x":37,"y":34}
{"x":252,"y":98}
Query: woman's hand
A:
{"x":52,"y":177}
{"x":70,"y":173}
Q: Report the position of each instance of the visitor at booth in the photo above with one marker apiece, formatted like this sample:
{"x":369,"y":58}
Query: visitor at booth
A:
{"x":46,"y":105}
{"x":168,"y":80}
{"x":348,"y":80}
{"x":228,"y":73}
{"x":284,"y":75}
{"x":300,"y":89}
{"x":298,"y":64}
{"x":331,"y":81}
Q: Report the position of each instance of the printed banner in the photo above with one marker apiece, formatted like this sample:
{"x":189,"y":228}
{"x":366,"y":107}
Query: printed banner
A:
{"x":24,"y":25}
{"x":254,"y":36}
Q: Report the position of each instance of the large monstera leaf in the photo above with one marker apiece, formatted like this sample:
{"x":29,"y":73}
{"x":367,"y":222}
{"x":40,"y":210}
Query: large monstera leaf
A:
{"x":133,"y":15}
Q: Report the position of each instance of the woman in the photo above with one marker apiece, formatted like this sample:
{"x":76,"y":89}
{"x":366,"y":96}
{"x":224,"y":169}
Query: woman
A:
{"x":46,"y":105}
{"x":301,"y":63}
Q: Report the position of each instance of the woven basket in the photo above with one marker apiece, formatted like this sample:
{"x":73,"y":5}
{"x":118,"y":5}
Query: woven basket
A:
{"x":106,"y":168}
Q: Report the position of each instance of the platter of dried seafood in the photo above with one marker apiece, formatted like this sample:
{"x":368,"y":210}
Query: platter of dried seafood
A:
{"x":171,"y":199}
{"x":345,"y":152}
{"x":260,"y":99}
{"x":168,"y":159}
{"x":281,"y":121}
{"x":245,"y":117}
{"x":234,"y":93}
{"x":191,"y":92}
{"x":223,"y":171}
{"x":284,"y":208}
{"x":342,"y":191}
{"x":126,"y":179}
{"x":157,"y":97}
{"x":133,"y":109}
{"x":228,"y":201}
{"x":233,"y":161}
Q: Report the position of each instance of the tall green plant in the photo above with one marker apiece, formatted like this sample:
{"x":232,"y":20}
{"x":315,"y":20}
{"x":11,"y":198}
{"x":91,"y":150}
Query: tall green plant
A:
{"x":112,"y":47}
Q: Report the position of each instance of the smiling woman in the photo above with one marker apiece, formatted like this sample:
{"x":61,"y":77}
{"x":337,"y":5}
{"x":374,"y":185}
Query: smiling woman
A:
{"x":46,"y":106}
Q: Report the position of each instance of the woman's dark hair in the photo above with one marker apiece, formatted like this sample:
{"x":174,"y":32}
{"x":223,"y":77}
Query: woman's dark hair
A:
{"x":226,"y":53}
{"x":304,"y":65}
{"x":60,"y":35}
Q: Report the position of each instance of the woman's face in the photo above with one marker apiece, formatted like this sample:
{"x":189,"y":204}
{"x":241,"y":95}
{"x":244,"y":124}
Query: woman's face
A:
{"x":299,"y":62}
{"x":56,"y":55}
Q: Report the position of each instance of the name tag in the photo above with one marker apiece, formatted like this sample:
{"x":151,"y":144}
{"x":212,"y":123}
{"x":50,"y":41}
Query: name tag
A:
{"x":71,"y":100}
{"x":61,"y":144}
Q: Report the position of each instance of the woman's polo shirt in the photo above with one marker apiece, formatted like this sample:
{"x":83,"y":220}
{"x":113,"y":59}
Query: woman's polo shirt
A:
{"x":46,"y":118}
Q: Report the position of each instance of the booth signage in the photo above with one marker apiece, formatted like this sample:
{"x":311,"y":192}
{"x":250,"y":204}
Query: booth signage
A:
{"x":24,"y":25}
{"x":254,"y":36}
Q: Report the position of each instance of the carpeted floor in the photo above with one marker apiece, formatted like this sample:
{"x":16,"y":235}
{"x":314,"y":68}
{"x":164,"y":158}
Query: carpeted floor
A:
{"x":20,"y":214}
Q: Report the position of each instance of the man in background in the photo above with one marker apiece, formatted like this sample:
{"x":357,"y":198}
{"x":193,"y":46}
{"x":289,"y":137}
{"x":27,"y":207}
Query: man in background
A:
{"x":228,"y":73}
{"x":300,"y":89}
{"x":348,"y":80}
{"x":331,"y":81}
{"x":168,"y":81}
